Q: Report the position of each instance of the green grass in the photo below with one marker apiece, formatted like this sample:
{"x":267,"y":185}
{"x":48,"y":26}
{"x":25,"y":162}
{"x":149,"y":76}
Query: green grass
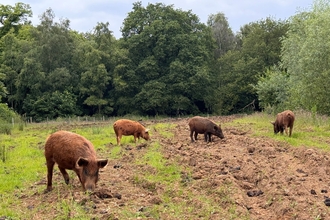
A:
{"x":165,"y":129}
{"x":308,"y":130}
{"x":163,"y":171}
{"x":22,"y":163}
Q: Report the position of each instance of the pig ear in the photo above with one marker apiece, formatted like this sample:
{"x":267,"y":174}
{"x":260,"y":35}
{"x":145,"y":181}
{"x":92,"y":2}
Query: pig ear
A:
{"x":81,"y":162}
{"x":102,"y":163}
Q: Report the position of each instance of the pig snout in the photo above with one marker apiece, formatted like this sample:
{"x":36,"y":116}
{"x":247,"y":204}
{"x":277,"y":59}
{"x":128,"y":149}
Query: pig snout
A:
{"x":220,"y":135}
{"x":89,"y":187}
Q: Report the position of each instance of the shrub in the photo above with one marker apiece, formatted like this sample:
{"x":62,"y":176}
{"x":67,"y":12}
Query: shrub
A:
{"x":6,"y":117}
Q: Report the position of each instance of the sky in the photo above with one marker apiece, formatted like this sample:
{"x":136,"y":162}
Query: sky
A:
{"x":84,"y":15}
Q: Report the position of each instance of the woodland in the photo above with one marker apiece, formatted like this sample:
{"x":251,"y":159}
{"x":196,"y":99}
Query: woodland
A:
{"x":167,"y":63}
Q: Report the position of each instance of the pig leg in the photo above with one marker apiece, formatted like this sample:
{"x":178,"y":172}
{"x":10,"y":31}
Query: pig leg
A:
{"x":290,"y":131}
{"x":50,"y":167}
{"x":286,"y":130}
{"x":118,"y":139}
{"x":191,"y":135}
{"x":135,"y":136}
{"x":205,"y":137}
{"x":196,"y":135}
{"x":209,"y":137}
{"x":65,"y":175}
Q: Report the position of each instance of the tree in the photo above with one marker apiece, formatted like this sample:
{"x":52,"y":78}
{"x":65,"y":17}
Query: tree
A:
{"x":273,"y":89}
{"x":13,"y":17}
{"x":94,"y":82}
{"x":98,"y":63}
{"x":53,"y":42}
{"x":305,"y":56}
{"x":29,"y":82}
{"x":14,"y":47}
{"x":170,"y":47}
{"x":225,"y":39}
{"x":239,"y":70}
{"x":3,"y":89}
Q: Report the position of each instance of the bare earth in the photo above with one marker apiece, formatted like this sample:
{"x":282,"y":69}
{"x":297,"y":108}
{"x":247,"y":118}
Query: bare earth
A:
{"x":258,"y":178}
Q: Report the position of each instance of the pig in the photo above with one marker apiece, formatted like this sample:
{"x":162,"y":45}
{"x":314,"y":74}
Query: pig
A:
{"x":201,"y":125}
{"x":283,"y":121}
{"x":73,"y":152}
{"x":128,"y":127}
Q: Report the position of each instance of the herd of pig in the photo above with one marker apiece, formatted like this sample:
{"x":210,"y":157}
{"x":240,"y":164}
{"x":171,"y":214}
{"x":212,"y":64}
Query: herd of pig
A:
{"x":71,"y":151}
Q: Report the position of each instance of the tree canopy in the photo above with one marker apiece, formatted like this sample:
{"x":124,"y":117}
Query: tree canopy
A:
{"x":166,"y":63}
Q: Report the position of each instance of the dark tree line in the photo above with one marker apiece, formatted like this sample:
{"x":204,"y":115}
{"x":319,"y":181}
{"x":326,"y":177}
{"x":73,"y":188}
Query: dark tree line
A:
{"x":166,"y":63}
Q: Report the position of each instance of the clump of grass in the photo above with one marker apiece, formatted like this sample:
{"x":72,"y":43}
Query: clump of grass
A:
{"x":5,"y":128}
{"x":115,"y":152}
{"x":3,"y":153}
{"x":96,"y":130}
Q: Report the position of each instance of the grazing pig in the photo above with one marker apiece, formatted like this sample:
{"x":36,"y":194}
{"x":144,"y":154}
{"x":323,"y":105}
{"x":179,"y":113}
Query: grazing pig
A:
{"x":283,"y":121}
{"x":127,"y":127}
{"x":201,"y":125}
{"x":73,"y":152}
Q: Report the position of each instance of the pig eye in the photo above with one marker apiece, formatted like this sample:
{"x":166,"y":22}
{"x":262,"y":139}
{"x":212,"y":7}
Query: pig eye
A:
{"x":86,"y":172}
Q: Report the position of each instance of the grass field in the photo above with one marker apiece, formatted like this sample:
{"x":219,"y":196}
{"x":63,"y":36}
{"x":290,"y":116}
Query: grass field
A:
{"x":22,"y":162}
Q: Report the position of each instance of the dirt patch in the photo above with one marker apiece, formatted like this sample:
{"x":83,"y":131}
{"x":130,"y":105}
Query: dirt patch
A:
{"x":259,"y":177}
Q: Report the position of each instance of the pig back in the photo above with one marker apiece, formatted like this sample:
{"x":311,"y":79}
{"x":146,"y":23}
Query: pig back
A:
{"x":128,"y":127}
{"x":200,"y":124}
{"x":65,"y":148}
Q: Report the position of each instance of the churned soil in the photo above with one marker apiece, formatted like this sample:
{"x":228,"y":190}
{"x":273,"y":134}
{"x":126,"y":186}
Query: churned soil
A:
{"x":257,"y":177}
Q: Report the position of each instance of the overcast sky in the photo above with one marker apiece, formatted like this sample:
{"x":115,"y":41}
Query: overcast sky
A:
{"x":84,"y":15}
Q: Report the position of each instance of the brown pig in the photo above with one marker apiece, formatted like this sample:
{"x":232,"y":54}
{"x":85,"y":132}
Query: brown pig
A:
{"x":73,"y":152}
{"x":128,"y":127}
{"x":283,"y":121}
{"x":201,"y":125}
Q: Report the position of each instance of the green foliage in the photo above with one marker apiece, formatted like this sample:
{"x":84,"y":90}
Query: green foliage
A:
{"x":239,"y":70}
{"x":3,"y":90}
{"x":6,"y":118}
{"x":305,"y":56}
{"x":223,"y":35}
{"x":13,"y":17}
{"x":170,"y":47}
{"x":53,"y":105}
{"x":166,"y":63}
{"x":273,"y":89}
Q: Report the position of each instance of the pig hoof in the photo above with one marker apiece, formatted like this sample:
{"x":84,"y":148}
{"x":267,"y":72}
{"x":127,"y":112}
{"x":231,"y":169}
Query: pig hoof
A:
{"x":66,"y":181}
{"x":48,"y":190}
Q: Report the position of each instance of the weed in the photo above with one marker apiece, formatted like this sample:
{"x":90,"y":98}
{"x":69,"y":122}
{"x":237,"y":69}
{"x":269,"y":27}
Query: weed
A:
{"x":5,"y":128}
{"x":3,"y":154}
{"x":96,"y":130}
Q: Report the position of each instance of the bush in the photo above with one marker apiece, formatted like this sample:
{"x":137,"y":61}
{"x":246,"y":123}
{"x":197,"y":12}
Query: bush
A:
{"x":273,"y":89}
{"x":6,"y":117}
